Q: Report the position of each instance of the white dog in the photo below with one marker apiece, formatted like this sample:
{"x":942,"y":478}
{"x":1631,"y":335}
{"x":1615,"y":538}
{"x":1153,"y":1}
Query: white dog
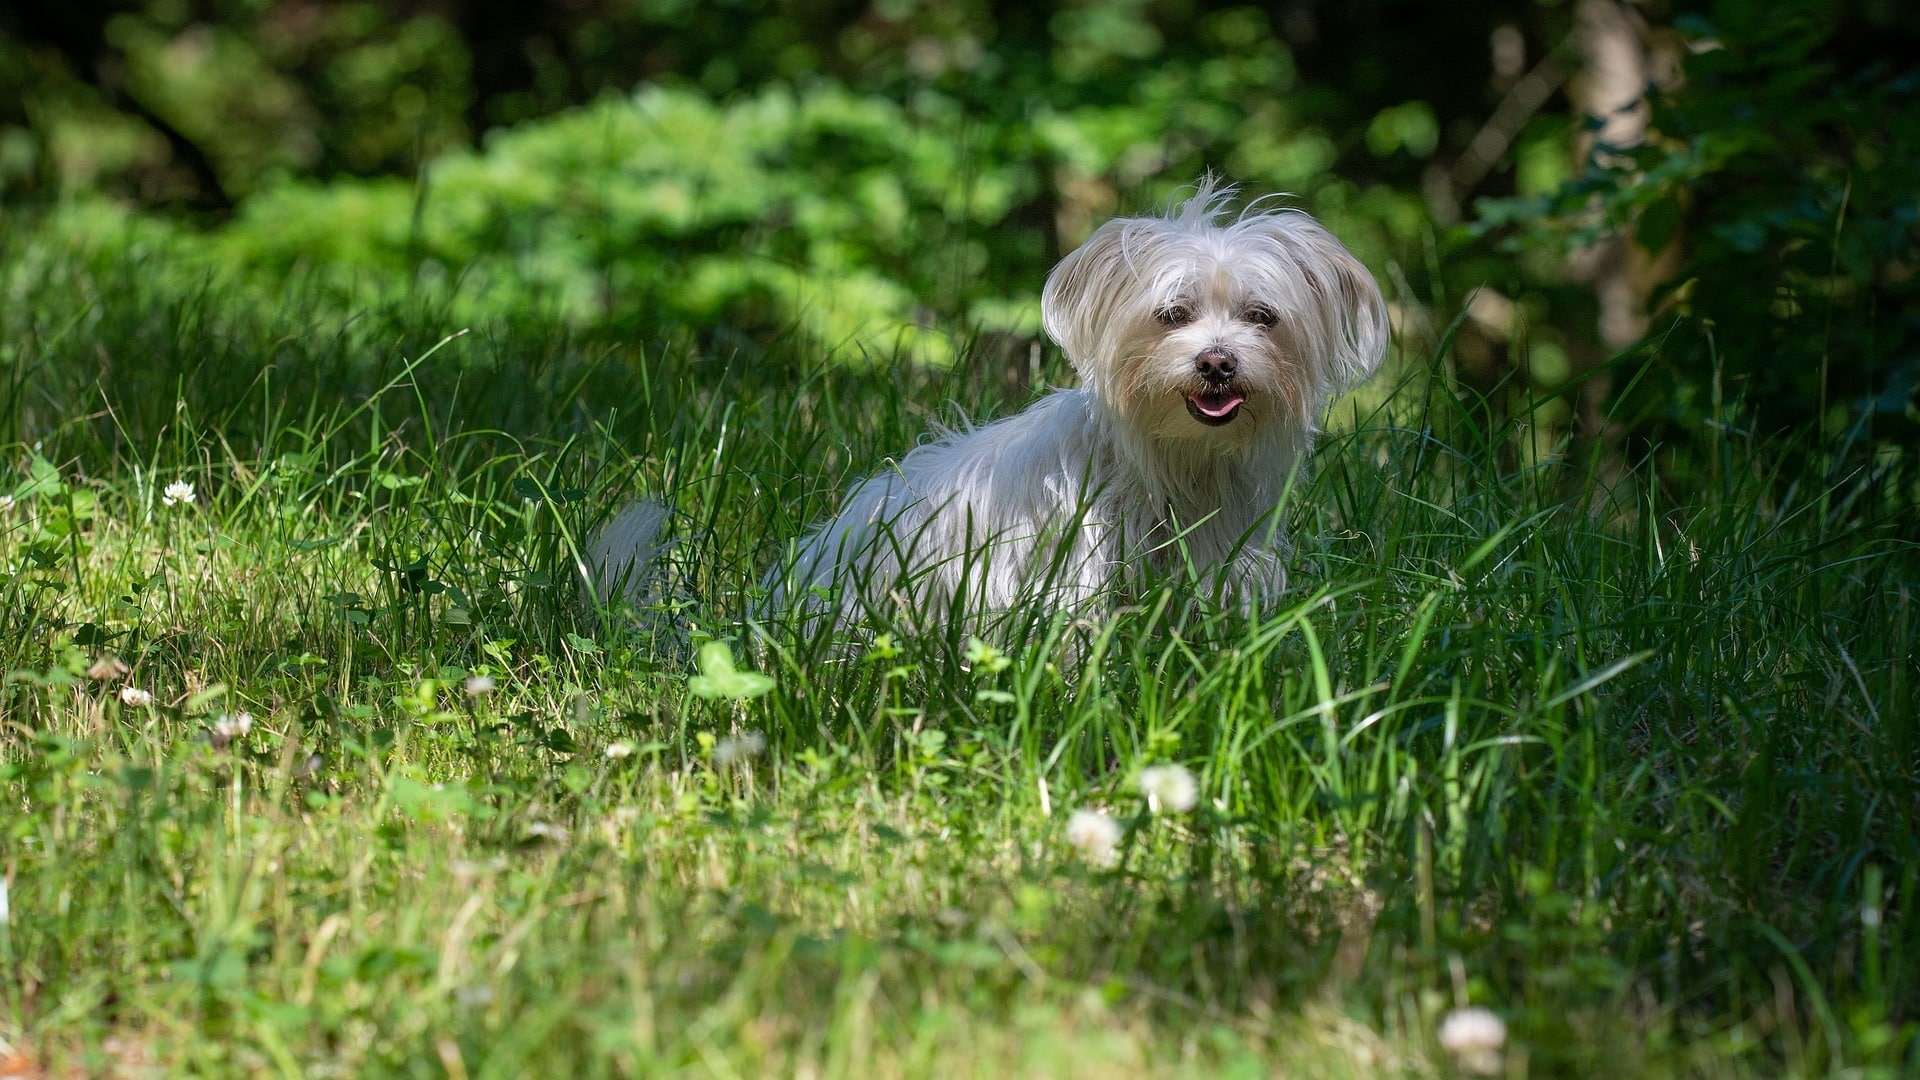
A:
{"x":1207,"y":346}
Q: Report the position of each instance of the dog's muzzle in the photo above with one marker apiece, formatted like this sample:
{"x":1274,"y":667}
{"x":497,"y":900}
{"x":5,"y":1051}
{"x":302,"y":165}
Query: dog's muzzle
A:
{"x":1218,"y":399}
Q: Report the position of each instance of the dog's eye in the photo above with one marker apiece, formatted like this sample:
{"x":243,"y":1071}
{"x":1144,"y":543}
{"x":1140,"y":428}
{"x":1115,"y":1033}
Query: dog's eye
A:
{"x":1261,"y":316}
{"x":1174,"y":315}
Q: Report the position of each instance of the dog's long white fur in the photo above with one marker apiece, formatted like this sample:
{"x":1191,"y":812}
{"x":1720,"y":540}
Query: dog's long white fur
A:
{"x":1152,"y":461}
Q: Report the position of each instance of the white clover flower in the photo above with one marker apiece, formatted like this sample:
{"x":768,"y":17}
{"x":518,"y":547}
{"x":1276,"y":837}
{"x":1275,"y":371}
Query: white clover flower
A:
{"x":470,"y":869}
{"x":733,"y":751}
{"x":230,"y":726}
{"x":6,"y":504}
{"x":1474,"y":1036}
{"x":480,"y":685}
{"x":177,"y":492}
{"x":1094,"y":835}
{"x":135,"y":698}
{"x":548,"y":831}
{"x":618,"y":750}
{"x":1169,"y":788}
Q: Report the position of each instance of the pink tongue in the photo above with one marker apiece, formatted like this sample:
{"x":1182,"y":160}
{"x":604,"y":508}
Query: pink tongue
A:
{"x":1217,"y":405}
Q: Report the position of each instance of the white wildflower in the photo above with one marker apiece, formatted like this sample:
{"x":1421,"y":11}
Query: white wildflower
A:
{"x":1094,"y":835}
{"x":733,"y":751}
{"x":480,"y":685}
{"x":1169,"y":788}
{"x":230,"y":726}
{"x":6,"y":504}
{"x":469,"y":870}
{"x":548,"y":831}
{"x":177,"y":492}
{"x":135,"y":698}
{"x":618,"y":750}
{"x":1474,"y":1036}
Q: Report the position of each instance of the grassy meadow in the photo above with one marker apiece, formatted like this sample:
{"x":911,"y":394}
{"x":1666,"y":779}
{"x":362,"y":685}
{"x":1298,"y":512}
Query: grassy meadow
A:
{"x":1632,"y":768}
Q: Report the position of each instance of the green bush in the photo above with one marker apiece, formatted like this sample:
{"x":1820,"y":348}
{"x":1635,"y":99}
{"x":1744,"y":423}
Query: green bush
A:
{"x":815,"y":211}
{"x":866,"y":228}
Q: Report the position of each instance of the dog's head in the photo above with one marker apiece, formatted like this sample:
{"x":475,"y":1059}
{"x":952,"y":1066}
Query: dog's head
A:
{"x":1194,"y":327}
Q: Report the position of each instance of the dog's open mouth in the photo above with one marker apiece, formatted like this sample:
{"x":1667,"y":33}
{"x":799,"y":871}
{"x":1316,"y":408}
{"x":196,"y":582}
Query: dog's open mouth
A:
{"x":1215,"y":407}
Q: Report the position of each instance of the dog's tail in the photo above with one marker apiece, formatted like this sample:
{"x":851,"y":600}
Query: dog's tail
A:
{"x":623,"y":561}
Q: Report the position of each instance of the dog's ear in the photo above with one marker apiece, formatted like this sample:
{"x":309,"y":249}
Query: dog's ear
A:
{"x":1335,"y":312}
{"x":1087,"y":297}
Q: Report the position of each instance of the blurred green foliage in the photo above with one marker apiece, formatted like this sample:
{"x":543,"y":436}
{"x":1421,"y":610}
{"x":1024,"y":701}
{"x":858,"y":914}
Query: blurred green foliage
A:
{"x":905,"y":216}
{"x":819,"y":212}
{"x":1782,"y":177}
{"x":205,"y":102}
{"x":885,"y":178}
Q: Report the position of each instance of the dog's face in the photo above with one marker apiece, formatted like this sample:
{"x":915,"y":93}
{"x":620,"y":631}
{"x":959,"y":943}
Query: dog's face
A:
{"x":1188,"y":329}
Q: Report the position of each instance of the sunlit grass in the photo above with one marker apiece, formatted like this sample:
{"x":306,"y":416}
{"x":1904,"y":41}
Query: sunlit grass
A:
{"x":1640,"y":780}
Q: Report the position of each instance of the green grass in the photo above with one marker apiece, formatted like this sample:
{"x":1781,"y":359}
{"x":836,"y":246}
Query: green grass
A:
{"x":1641,"y":780}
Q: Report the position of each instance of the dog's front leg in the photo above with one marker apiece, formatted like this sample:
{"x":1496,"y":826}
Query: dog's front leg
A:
{"x":1255,"y":579}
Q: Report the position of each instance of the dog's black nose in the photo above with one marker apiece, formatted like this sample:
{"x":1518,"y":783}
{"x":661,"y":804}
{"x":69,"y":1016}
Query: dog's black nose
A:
{"x":1216,"y":364}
